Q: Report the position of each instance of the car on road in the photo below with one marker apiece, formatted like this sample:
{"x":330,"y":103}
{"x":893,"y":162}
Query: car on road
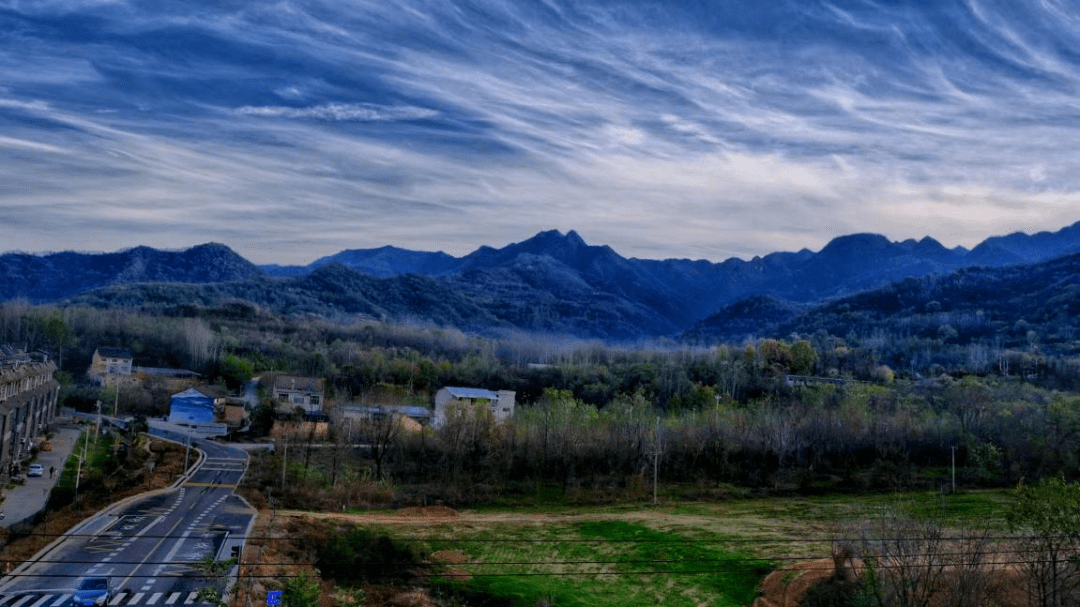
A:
{"x":35,"y":470}
{"x":92,"y":592}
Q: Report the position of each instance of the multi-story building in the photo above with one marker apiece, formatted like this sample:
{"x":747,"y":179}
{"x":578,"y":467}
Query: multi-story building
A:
{"x":28,"y":403}
{"x":500,"y":403}
{"x":296,"y":392}
{"x":111,"y":366}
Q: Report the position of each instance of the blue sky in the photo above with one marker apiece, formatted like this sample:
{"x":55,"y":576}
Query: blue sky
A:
{"x":291,"y":130}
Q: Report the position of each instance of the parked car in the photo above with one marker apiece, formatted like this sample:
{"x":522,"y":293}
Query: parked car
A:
{"x":92,"y":592}
{"x":35,"y":470}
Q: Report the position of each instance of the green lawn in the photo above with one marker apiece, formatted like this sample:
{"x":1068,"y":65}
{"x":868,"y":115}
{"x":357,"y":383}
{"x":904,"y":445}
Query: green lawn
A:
{"x":690,"y":553}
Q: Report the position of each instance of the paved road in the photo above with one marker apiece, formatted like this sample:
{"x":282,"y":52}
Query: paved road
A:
{"x":150,"y":546}
{"x":24,"y":501}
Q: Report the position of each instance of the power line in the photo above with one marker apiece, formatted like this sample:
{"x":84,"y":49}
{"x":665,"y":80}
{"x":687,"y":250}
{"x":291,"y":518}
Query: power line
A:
{"x":435,"y":539}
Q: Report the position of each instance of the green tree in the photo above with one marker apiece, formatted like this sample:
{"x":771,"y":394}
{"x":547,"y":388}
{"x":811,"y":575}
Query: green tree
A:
{"x":1048,"y":515}
{"x":235,"y":371}
{"x":803,"y":357}
{"x":214,"y":573}
{"x":301,"y":590}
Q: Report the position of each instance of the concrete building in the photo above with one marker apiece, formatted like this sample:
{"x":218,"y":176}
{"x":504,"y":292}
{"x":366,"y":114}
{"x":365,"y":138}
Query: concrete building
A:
{"x":112,"y":361}
{"x":28,"y":403}
{"x":500,"y":403}
{"x":293,"y":392}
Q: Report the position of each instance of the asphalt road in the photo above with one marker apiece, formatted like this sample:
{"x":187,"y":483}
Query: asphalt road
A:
{"x":151,"y":546}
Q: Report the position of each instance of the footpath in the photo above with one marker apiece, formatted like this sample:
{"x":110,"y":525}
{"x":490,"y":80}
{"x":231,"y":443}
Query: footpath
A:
{"x":23,"y":501}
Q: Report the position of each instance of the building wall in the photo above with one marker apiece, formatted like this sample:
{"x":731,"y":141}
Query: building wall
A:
{"x":291,"y":392}
{"x":28,"y":404}
{"x":500,"y":404}
{"x":110,"y":365}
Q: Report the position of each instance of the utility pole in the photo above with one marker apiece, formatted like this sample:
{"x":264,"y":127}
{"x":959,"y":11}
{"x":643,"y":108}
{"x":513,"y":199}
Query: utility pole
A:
{"x":116,"y":402}
{"x":656,"y":465}
{"x":78,"y":469}
{"x":954,"y":469}
{"x":284,"y":458}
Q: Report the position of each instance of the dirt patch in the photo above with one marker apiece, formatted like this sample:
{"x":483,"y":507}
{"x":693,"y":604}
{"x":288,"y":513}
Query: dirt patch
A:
{"x":387,"y":596}
{"x":786,"y":587}
{"x":452,"y":557}
{"x":428,"y":512}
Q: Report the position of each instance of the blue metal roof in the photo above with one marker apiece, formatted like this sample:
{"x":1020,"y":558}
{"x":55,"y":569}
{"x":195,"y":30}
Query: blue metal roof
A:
{"x":191,"y":407}
{"x":472,"y":393}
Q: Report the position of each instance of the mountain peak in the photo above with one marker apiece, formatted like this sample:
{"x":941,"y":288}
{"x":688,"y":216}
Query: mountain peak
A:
{"x":555,"y":237}
{"x":856,"y":244}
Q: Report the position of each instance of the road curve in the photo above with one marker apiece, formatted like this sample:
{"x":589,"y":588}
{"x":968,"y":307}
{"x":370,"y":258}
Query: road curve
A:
{"x":151,"y":546}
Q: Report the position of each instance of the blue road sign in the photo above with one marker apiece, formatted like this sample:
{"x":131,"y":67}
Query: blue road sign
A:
{"x":273,"y":598}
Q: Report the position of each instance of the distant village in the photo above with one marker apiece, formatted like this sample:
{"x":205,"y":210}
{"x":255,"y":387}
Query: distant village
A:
{"x":299,"y":401}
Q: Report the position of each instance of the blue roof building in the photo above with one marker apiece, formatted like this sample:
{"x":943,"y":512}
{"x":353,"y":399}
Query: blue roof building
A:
{"x":191,"y":407}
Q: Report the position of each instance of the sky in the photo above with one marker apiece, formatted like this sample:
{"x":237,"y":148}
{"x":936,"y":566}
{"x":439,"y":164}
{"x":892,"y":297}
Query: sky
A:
{"x":294,"y":129}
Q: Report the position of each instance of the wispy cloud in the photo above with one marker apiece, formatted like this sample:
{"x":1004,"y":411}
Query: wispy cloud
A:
{"x":341,"y":111}
{"x":297,"y":129}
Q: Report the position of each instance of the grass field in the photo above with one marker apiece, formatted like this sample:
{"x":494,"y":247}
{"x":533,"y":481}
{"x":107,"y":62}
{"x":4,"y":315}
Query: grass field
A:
{"x":687,"y":553}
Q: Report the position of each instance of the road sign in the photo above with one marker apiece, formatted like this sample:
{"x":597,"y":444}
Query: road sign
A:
{"x":273,"y":598}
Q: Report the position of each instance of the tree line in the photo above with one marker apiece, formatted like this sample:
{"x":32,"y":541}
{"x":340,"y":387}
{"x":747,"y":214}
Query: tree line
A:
{"x":588,"y":414}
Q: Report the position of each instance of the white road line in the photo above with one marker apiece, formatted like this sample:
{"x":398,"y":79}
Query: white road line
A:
{"x":26,"y":598}
{"x":63,"y":599}
{"x":135,"y":599}
{"x":42,"y":600}
{"x":154,"y":598}
{"x":172,"y":598}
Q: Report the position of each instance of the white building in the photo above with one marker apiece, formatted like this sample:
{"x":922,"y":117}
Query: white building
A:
{"x":500,"y":403}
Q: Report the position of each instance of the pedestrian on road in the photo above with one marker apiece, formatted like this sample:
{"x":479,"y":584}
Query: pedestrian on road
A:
{"x":52,"y":470}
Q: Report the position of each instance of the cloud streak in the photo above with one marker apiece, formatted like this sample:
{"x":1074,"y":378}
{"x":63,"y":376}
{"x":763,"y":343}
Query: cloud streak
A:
{"x":294,"y":130}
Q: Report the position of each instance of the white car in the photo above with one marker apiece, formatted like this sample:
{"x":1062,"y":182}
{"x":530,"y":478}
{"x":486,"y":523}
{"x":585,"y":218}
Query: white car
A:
{"x":35,"y":470}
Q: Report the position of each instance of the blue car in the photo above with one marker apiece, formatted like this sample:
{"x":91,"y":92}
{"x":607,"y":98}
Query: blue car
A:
{"x":92,"y":592}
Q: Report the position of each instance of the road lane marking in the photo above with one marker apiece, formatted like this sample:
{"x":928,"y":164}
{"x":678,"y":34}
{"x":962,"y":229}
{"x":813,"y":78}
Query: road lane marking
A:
{"x":154,"y":598}
{"x":42,"y":600}
{"x":63,"y":599}
{"x":172,"y":598}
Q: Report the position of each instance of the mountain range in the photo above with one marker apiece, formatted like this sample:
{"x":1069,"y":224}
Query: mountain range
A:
{"x":552,"y":282}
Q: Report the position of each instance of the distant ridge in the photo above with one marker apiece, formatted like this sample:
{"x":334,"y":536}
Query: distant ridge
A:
{"x":58,"y":275}
{"x":552,"y":282}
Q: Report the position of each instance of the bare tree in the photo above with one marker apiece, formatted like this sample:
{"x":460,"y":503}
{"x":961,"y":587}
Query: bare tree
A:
{"x":381,"y":431}
{"x":904,"y":559}
{"x":968,"y":582}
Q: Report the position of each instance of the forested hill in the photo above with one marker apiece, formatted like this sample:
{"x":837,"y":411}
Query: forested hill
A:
{"x":1036,"y":307}
{"x":55,"y":276}
{"x":552,"y":282}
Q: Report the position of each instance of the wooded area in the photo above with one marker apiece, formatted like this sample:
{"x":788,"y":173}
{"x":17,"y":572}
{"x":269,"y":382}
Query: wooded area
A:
{"x":593,"y":415}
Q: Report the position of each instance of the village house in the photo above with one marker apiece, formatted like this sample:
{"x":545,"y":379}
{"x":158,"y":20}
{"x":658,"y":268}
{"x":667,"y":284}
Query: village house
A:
{"x":28,"y":397}
{"x":292,"y":392}
{"x":110,"y":366}
{"x":500,"y":403}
